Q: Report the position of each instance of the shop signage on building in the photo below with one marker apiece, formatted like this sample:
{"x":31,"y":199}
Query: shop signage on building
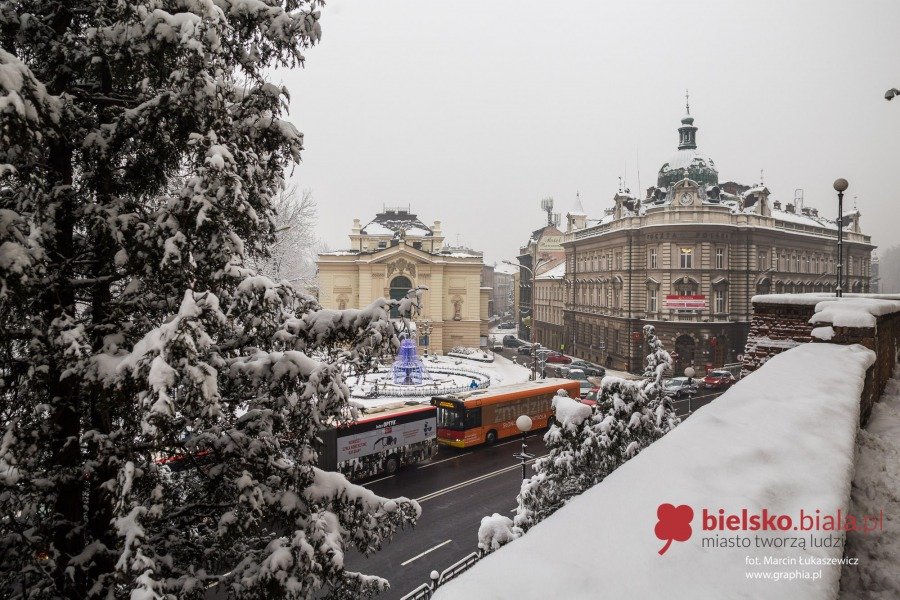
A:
{"x":676,"y":302}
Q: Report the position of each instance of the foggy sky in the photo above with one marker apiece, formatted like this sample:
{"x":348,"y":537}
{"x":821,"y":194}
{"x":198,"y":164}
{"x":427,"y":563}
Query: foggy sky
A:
{"x":471,"y":112}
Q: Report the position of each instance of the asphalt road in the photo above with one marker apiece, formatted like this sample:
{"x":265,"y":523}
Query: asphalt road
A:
{"x":456,"y":489}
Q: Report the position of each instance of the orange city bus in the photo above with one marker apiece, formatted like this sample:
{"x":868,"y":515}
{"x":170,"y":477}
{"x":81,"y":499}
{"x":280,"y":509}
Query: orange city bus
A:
{"x":485,"y":416}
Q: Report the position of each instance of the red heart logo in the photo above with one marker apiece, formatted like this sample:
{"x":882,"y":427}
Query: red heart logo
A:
{"x":674,"y":524}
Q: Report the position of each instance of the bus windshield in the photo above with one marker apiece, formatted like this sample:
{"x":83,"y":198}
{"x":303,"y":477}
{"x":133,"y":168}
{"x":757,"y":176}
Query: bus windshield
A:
{"x":450,"y":418}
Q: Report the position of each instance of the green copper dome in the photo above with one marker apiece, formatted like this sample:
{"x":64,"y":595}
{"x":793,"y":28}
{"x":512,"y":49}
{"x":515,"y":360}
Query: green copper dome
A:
{"x":691,"y":164}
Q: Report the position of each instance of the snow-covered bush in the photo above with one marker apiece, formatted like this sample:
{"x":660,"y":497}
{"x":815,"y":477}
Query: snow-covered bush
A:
{"x":586,"y":444}
{"x":141,"y":150}
{"x":470,"y":354}
{"x":495,"y":531}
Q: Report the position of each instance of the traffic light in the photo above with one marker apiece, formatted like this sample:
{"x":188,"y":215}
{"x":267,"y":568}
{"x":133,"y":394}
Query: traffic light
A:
{"x":527,"y":322}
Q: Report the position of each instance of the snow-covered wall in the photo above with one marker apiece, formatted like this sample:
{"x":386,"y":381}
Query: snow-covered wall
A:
{"x":782,"y":440}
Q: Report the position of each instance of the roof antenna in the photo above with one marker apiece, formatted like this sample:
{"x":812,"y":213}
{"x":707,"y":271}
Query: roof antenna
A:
{"x":637,"y":156}
{"x":761,"y":180}
{"x":620,"y":184}
{"x":687,"y":101}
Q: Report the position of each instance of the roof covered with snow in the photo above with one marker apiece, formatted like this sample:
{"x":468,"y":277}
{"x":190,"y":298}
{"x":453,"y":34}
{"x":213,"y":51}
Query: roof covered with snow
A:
{"x":557,"y":272}
{"x":393,"y":220}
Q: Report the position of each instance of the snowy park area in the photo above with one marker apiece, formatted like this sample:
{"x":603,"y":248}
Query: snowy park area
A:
{"x":448,"y":373}
{"x":751,"y":452}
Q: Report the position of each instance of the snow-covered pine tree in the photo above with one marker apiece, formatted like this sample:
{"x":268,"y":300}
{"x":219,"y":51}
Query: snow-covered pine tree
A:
{"x":587,"y":444}
{"x":141,"y":147}
{"x":658,"y":362}
{"x":572,"y":455}
{"x":637,"y":412}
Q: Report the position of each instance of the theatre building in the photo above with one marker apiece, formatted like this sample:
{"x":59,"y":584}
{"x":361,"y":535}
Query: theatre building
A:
{"x":396,"y":252}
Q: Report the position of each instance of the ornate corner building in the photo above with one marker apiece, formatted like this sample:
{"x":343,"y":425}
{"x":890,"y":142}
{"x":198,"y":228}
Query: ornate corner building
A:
{"x":396,"y":252}
{"x":688,"y":258}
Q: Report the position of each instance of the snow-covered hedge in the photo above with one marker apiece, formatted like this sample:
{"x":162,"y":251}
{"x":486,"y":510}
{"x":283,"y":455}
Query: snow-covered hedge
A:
{"x":471,"y":354}
{"x":782,"y":440}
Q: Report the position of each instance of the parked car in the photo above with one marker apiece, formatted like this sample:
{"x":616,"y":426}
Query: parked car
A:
{"x":497,"y":347}
{"x":680,"y":387}
{"x":586,"y":387}
{"x":576,"y":374}
{"x":593,"y":396}
{"x":591,"y":369}
{"x":511,"y":341}
{"x":525,"y":349}
{"x":556,"y":370}
{"x":558,"y":357}
{"x":718,"y":380}
{"x":506,"y":325}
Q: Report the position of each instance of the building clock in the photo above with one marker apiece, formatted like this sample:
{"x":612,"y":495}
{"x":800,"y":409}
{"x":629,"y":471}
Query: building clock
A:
{"x":685,"y":199}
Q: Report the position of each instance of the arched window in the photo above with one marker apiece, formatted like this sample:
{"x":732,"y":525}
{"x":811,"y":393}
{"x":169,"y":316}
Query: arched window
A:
{"x":400,"y":285}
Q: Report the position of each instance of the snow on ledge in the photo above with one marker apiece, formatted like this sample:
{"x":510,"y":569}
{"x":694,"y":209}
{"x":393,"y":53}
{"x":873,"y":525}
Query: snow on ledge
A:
{"x":782,"y":439}
{"x":823,"y":333}
{"x":853,"y":312}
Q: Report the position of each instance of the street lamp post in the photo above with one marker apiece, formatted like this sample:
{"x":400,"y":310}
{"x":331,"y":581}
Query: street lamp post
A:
{"x":689,"y":373}
{"x":523,"y":423}
{"x":840,"y":185}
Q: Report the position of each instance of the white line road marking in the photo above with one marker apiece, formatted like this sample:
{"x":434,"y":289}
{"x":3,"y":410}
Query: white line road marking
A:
{"x":469,"y":482}
{"x":376,"y":480}
{"x":432,"y":549}
{"x":437,"y":462}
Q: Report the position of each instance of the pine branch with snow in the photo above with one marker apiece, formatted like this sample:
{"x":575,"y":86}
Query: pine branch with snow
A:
{"x":142,"y":152}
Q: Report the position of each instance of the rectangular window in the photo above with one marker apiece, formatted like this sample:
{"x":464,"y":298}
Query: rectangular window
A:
{"x":720,"y":258}
{"x":720,"y":301}
{"x":761,"y":263}
{"x":653,"y":258}
{"x":687,"y":258}
{"x":652,"y":299}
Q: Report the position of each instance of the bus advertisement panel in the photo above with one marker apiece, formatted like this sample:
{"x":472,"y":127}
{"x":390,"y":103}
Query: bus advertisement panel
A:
{"x":485,"y":416}
{"x":380,"y":443}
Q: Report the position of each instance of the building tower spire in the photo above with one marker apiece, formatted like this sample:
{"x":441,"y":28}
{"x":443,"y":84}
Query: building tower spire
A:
{"x":687,"y":133}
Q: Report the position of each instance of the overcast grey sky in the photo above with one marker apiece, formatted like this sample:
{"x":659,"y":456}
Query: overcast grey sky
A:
{"x":471,"y":112}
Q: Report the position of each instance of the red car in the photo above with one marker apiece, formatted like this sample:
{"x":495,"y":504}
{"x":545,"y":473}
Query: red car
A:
{"x":718,"y":380}
{"x":556,"y":357}
{"x":591,"y":397}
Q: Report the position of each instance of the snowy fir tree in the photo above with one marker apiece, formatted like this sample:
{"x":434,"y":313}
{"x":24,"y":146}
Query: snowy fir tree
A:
{"x":588,"y":443}
{"x":141,"y":150}
{"x":571,"y":455}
